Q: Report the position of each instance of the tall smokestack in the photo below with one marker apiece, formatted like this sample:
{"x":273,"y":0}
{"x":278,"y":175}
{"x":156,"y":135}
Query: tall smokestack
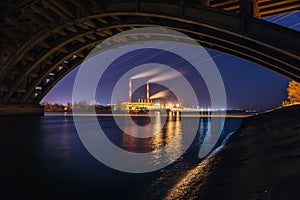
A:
{"x":130,"y":91}
{"x":148,"y":92}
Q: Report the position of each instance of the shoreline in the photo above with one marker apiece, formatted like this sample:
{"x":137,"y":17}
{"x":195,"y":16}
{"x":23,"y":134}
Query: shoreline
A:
{"x":242,"y":115}
{"x":260,"y":160}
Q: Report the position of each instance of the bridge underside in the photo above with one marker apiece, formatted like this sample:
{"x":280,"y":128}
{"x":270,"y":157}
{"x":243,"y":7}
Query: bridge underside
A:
{"x":40,"y":38}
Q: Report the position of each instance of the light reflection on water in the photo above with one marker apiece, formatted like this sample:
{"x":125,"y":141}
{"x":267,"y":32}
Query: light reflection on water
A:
{"x":48,"y":155}
{"x":172,"y":128}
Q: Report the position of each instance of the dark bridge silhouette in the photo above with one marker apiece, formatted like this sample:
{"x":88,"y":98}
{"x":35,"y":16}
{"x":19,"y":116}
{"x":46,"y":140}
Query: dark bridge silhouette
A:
{"x":39,"y":37}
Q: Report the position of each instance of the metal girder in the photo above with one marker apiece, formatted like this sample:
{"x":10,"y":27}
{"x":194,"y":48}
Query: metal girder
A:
{"x":62,"y":32}
{"x":72,"y":28}
{"x":59,"y":47}
{"x":44,"y":45}
{"x":223,"y":3}
{"x":278,"y":10}
{"x":90,"y":23}
{"x":91,"y":36}
{"x":23,"y":26}
{"x":35,"y":18}
{"x":81,"y":39}
{"x":81,"y":5}
{"x":102,"y":20}
{"x":62,"y":5}
{"x":77,"y":50}
{"x":100,"y":5}
{"x":63,"y":50}
{"x":11,"y":33}
{"x":279,"y":3}
{"x":48,"y":14}
{"x":59,"y":12}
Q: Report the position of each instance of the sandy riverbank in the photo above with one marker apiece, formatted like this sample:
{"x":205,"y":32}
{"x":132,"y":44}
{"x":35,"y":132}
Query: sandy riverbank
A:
{"x":260,"y":161}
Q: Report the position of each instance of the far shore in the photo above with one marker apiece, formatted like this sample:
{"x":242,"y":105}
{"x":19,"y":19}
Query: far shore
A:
{"x":116,"y":114}
{"x":261,"y":160}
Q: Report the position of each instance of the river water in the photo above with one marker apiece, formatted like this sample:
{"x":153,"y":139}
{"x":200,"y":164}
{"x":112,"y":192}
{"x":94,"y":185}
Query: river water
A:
{"x":43,"y":158}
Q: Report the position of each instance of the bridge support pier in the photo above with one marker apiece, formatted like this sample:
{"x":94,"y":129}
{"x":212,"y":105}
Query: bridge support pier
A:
{"x":19,"y":109}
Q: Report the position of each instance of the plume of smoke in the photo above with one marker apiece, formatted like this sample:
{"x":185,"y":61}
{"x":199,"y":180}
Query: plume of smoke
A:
{"x":148,"y":73}
{"x":165,"y":76}
{"x":160,"y":94}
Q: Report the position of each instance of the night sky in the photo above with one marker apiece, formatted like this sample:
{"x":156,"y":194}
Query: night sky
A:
{"x":248,"y":86}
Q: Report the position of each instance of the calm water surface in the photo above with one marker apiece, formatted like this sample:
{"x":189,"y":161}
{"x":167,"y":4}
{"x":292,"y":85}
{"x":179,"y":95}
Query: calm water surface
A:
{"x":43,"y":158}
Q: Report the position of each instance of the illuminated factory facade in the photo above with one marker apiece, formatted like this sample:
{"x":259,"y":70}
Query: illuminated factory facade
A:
{"x":144,"y":105}
{"x":141,"y":104}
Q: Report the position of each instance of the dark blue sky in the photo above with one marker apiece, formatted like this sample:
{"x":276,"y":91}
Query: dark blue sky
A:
{"x":247,"y":85}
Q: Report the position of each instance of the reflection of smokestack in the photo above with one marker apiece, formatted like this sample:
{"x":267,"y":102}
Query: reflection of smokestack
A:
{"x":148,"y":92}
{"x":130,"y":90}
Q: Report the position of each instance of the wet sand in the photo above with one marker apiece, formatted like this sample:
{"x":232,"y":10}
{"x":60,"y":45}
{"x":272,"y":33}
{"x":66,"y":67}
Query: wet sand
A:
{"x":261,"y":160}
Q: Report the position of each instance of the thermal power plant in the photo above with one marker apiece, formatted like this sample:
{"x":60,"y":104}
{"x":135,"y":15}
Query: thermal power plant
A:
{"x":145,"y":104}
{"x":142,"y":105}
